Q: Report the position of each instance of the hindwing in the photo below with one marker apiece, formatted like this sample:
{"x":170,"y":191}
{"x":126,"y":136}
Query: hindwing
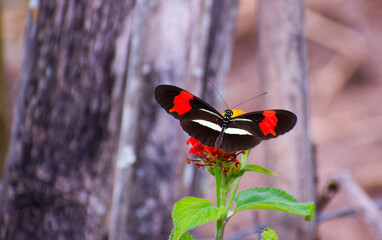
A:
{"x":270,"y":123}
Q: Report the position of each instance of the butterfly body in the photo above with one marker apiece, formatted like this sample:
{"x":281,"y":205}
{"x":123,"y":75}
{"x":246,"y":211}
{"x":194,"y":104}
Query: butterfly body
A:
{"x":207,"y":125}
{"x":225,"y":123}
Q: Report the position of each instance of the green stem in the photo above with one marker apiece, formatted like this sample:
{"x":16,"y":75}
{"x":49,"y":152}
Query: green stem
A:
{"x":221,"y":196}
{"x":217,"y":173}
{"x":219,"y":190}
{"x":220,"y":224}
{"x":237,"y":181}
{"x":244,"y":158}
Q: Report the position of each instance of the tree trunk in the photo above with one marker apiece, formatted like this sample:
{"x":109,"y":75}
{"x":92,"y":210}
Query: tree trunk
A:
{"x":4,"y":109}
{"x":59,"y":172}
{"x":170,"y":42}
{"x":283,"y":70}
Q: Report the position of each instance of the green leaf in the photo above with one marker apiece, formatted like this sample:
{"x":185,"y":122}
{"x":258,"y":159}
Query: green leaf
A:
{"x":191,"y":212}
{"x":271,"y":198}
{"x":257,"y":168}
{"x":269,"y":234}
{"x":185,"y":236}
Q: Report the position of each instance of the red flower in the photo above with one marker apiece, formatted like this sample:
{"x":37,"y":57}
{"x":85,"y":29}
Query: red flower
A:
{"x":210,"y":156}
{"x":201,"y":150}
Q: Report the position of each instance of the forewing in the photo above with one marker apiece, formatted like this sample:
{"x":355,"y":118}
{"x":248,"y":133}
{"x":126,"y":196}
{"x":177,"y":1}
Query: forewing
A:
{"x":178,"y":102}
{"x":203,"y":125}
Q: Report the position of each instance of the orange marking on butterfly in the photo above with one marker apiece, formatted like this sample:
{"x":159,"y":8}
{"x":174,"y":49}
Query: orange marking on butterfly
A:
{"x":235,"y":113}
{"x":182,"y":103}
{"x":269,"y":122}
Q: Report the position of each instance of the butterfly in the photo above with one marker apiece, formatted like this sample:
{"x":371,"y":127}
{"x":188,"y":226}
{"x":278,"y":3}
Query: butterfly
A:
{"x":203,"y":122}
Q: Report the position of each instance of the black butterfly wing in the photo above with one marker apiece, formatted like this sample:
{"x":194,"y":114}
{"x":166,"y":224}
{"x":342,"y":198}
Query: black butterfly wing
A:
{"x":203,"y":125}
{"x":248,"y":130}
{"x":178,"y":102}
{"x":271,"y":123}
{"x":199,"y":119}
{"x":241,"y":134}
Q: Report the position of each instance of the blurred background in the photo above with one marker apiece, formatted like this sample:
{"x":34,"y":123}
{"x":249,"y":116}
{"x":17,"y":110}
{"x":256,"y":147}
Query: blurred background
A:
{"x":345,"y":58}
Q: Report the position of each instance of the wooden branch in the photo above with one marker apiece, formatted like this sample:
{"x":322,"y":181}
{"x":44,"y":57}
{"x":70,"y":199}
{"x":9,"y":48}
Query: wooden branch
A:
{"x":363,"y":205}
{"x":342,"y":213}
{"x":326,"y":196}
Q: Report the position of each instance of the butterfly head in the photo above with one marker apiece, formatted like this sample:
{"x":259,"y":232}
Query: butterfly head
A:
{"x":228,"y":114}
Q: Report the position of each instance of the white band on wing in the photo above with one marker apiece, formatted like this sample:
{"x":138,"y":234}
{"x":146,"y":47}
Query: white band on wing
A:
{"x":216,"y":127}
{"x":205,"y":110}
{"x":236,"y":131}
{"x":240,"y":119}
{"x":208,"y":124}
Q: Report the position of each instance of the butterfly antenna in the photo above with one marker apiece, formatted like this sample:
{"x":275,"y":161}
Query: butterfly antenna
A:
{"x":250,"y":99}
{"x":218,"y":93}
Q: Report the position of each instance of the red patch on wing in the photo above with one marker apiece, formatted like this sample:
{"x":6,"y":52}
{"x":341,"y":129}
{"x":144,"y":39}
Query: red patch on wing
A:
{"x":182,"y":103}
{"x":269,"y":122}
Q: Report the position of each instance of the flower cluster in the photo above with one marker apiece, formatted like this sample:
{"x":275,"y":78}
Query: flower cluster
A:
{"x":210,"y":156}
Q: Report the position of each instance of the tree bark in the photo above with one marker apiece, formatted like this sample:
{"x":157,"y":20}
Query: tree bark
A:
{"x":283,"y":70}
{"x":216,"y":56}
{"x":4,"y":109}
{"x":170,"y":42}
{"x":59,"y":172}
